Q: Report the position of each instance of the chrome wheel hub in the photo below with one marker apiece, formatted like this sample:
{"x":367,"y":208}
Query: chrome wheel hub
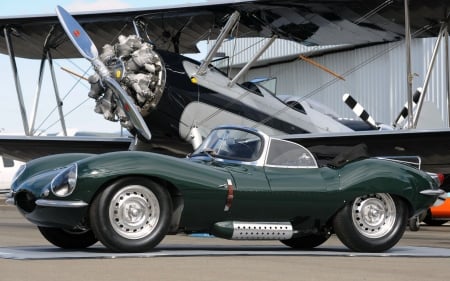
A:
{"x":374,"y":215}
{"x":134,"y":212}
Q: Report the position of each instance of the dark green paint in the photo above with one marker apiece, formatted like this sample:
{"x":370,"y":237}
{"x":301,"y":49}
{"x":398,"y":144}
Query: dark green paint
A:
{"x":307,"y":197}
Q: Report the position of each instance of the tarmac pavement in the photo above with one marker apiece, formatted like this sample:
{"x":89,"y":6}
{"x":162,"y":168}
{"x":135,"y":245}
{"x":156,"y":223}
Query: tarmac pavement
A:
{"x":26,"y":255}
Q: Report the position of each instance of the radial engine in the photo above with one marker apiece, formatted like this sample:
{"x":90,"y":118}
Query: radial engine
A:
{"x":140,"y":72}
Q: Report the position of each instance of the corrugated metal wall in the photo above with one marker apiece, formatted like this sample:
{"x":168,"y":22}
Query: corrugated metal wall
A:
{"x":375,"y":76}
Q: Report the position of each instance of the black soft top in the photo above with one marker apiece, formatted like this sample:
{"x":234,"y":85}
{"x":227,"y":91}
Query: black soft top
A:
{"x":338,"y":156}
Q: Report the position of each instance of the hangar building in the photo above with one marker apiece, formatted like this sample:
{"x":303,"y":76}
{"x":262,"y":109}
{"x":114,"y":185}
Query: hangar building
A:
{"x":375,"y":75}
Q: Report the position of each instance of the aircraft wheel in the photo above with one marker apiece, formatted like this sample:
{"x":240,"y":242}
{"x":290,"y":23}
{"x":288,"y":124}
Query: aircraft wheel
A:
{"x":414,"y":223}
{"x":131,"y":215}
{"x":371,"y":223}
{"x":306,"y":242}
{"x":68,"y":239}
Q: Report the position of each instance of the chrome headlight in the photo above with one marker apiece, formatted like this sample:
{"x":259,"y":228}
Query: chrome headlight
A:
{"x":64,"y":183}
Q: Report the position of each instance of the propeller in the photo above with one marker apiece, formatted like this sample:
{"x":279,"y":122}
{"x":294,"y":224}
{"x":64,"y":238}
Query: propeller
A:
{"x":404,"y":112}
{"x":359,"y":110}
{"x":87,"y":49}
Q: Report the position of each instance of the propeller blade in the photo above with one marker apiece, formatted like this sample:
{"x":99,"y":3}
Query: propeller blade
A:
{"x":359,"y":110}
{"x":404,"y":112}
{"x":77,"y":34}
{"x":127,"y":104}
{"x":87,"y":49}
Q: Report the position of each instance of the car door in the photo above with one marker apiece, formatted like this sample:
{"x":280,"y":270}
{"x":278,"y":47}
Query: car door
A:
{"x":299,"y":187}
{"x":252,"y":193}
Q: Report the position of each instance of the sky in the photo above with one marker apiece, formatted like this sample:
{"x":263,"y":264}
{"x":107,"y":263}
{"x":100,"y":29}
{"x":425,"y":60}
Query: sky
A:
{"x":77,"y":107}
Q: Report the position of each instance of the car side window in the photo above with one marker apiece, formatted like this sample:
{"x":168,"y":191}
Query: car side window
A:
{"x":288,"y":154}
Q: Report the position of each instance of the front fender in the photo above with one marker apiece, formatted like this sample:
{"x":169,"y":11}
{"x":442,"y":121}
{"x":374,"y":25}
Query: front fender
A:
{"x":189,"y":177}
{"x":47,"y":163}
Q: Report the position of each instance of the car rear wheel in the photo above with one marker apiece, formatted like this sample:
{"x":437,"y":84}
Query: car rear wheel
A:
{"x":306,"y":242}
{"x":131,"y":215}
{"x":68,"y":239}
{"x":371,"y":223}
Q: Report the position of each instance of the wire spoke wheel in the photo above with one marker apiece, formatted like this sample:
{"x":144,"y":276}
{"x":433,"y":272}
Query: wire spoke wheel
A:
{"x":372,"y":223}
{"x":134,"y":212}
{"x":131,"y":215}
{"x":374,"y":215}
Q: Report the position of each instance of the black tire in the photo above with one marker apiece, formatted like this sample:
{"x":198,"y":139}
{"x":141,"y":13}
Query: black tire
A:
{"x":371,"y":223}
{"x":306,"y":242}
{"x":430,"y":221}
{"x":414,"y":223}
{"x":68,"y":239}
{"x":131,"y":215}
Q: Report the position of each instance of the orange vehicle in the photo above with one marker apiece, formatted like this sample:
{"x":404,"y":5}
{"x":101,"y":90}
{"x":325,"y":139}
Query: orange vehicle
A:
{"x":440,"y":214}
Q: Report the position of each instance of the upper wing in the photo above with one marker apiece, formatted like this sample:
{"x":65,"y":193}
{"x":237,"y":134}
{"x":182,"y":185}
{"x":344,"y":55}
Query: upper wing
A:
{"x":24,"y":148}
{"x":180,"y":28}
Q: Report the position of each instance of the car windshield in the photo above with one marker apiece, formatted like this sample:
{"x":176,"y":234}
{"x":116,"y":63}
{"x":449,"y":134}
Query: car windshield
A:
{"x":233,"y":144}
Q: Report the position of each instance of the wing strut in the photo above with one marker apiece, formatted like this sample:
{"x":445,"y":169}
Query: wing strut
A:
{"x":428,"y":75}
{"x":29,"y":126}
{"x":12,"y":57}
{"x":59,"y":102}
{"x":408,"y":64}
{"x":447,"y":72}
{"x":231,"y":23}
{"x":250,"y":62}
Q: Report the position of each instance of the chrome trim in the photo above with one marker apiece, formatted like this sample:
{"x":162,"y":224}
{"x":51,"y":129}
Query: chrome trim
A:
{"x":290,"y":167}
{"x":61,"y":204}
{"x":433,"y":192}
{"x":262,"y":230}
{"x":64,"y":177}
{"x":441,"y":199}
{"x":412,"y":160}
{"x":257,"y":162}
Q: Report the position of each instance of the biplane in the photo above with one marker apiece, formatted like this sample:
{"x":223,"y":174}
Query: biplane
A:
{"x":171,"y":102}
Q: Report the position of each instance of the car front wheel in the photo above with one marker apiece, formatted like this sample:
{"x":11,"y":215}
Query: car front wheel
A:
{"x":131,"y":215}
{"x":371,"y":223}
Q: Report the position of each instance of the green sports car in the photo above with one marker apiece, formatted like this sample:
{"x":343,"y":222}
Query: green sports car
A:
{"x":239,"y":184}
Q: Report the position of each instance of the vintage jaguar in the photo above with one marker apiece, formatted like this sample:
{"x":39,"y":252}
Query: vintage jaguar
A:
{"x":239,"y":184}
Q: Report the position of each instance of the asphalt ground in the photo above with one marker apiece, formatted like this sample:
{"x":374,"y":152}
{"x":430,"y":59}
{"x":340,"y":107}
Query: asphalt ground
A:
{"x":422,"y":255}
